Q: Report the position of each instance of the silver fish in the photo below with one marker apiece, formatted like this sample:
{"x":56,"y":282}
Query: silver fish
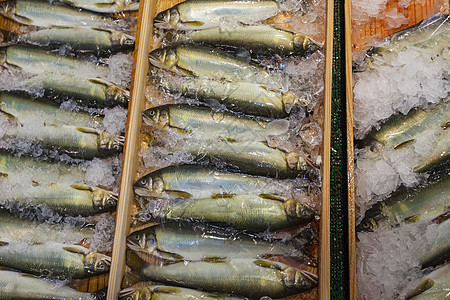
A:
{"x":433,"y":286}
{"x":438,"y":250}
{"x":105,"y":6}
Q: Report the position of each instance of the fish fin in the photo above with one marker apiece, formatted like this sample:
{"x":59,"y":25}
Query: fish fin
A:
{"x":88,"y":130}
{"x":3,"y":243}
{"x":423,"y":286}
{"x":26,"y":275}
{"x":184,"y":72}
{"x":98,"y":80}
{"x":273,"y":197}
{"x":102,"y":5}
{"x":81,"y":187}
{"x":445,"y":125}
{"x":180,"y":194}
{"x":9,"y":116}
{"x":267,"y":264}
{"x":76,"y":249}
{"x":194,"y":23}
{"x":404,"y":144}
{"x":167,"y":290}
{"x":22,"y":19}
{"x":277,"y":127}
{"x":222,"y":195}
{"x":413,"y":219}
{"x":214,"y":259}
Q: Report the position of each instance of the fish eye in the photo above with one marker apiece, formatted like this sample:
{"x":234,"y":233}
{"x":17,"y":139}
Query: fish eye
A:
{"x":366,"y":225}
{"x":143,"y":181}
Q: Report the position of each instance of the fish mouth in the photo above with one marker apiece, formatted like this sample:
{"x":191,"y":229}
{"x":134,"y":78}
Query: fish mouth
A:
{"x":156,"y":62}
{"x":140,"y":191}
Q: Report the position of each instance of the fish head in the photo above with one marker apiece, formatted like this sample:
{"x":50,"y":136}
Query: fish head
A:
{"x":149,"y":185}
{"x":116,"y":94}
{"x":110,"y":143}
{"x":159,"y":116}
{"x":297,"y":279}
{"x":372,"y":220}
{"x":8,"y":8}
{"x":119,"y":39}
{"x":305,"y":45}
{"x":165,"y":58}
{"x":131,"y":4}
{"x":168,"y":19}
{"x":103,"y":200}
{"x":298,"y":211}
{"x":143,"y":240}
{"x":97,"y":263}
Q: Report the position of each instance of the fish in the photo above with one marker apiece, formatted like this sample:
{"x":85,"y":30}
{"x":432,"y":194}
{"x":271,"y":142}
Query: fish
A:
{"x":201,"y":61}
{"x":53,"y":259}
{"x":105,"y":6}
{"x":438,"y":155}
{"x":433,"y":286}
{"x":196,"y":182}
{"x":253,"y":278}
{"x":259,"y":39}
{"x":83,"y":39}
{"x":175,"y":242}
{"x":247,"y":212}
{"x":411,"y":205}
{"x":146,"y":290}
{"x":437,"y":250}
{"x":195,"y":14}
{"x":252,"y":157}
{"x":246,"y":97}
{"x":42,"y":13}
{"x":14,"y":285}
{"x":207,"y":123}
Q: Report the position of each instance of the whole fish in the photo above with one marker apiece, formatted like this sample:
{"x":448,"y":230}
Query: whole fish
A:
{"x":193,"y":181}
{"x":173,"y":242}
{"x":261,"y":39}
{"x":433,"y":286}
{"x":247,"y":212}
{"x":214,"y":63}
{"x":54,"y":259}
{"x":105,"y":6}
{"x":247,"y":97}
{"x":42,"y":13}
{"x":35,"y":60}
{"x":255,"y":158}
{"x":144,"y":290}
{"x":200,"y":14}
{"x":206,"y":123}
{"x":14,"y":285}
{"x":246,"y":277}
{"x":78,"y":38}
{"x":438,"y":250}
{"x":409,"y":205}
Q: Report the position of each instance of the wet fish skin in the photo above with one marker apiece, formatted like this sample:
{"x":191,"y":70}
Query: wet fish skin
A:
{"x":193,"y":181}
{"x":164,"y":292}
{"x":206,"y":123}
{"x":14,"y":285}
{"x":409,"y":205}
{"x":195,"y":14}
{"x":433,"y":286}
{"x":262,"y":277}
{"x":55,"y":259}
{"x":436,"y":252}
{"x":247,"y":212}
{"x":105,"y":6}
{"x":261,"y":39}
{"x":439,"y":154}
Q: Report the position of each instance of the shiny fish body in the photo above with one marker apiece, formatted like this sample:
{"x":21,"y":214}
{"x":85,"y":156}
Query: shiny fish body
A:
{"x":247,"y":97}
{"x":164,"y":292}
{"x":69,"y":200}
{"x":208,"y":62}
{"x":255,"y":158}
{"x":424,"y":203}
{"x":245,"y":277}
{"x":201,"y":14}
{"x":400,"y":130}
{"x":434,"y":286}
{"x":438,"y":250}
{"x":105,"y":6}
{"x":191,"y":181}
{"x":41,"y":13}
{"x":247,"y":212}
{"x":37,"y":61}
{"x":439,"y":153}
{"x":175,"y":242}
{"x":55,"y":259}
{"x":79,"y":39}
{"x":17,"y":286}
{"x":262,"y":39}
{"x":206,"y":123}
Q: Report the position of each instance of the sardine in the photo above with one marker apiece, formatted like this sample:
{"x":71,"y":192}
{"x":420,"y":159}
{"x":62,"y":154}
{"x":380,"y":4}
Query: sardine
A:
{"x":42,"y":13}
{"x":260,"y":39}
{"x":247,"y":212}
{"x":195,"y":14}
{"x":434,"y":286}
{"x":196,"y":182}
{"x":247,"y":97}
{"x":245,"y":277}
{"x":144,"y":291}
{"x":205,"y":123}
{"x":78,"y":38}
{"x":409,"y":205}
{"x":438,"y":250}
{"x":214,"y":63}
{"x":53,"y":259}
{"x":255,"y":158}
{"x":105,"y":6}
{"x":173,"y":242}
{"x":14,"y":285}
